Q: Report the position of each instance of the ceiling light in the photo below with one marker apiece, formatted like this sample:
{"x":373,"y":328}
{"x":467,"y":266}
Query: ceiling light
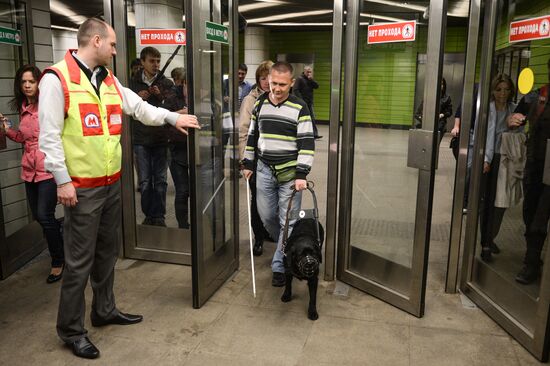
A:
{"x":383,"y":17}
{"x":399,"y":5}
{"x":288,"y":16}
{"x":64,"y":28}
{"x":59,"y":8}
{"x":260,"y":5}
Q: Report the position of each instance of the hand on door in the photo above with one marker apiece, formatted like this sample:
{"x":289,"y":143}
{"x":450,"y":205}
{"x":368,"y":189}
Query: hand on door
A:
{"x":186,"y":121}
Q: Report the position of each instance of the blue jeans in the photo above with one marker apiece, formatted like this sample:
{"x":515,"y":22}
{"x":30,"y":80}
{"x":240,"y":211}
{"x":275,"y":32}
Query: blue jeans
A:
{"x":42,"y":198}
{"x":272,"y":200}
{"x":152,"y":166}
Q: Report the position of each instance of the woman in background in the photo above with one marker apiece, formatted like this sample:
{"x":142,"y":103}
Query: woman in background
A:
{"x":500,"y":108}
{"x":39,"y":184}
{"x":247,"y":105}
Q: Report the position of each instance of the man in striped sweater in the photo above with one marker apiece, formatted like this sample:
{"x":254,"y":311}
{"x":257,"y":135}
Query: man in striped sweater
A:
{"x":281,"y":139}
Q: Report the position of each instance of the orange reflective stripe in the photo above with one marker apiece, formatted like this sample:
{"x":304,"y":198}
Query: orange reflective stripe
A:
{"x":96,"y":181}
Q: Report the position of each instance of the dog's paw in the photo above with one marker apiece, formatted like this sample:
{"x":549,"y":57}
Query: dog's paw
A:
{"x":312,"y":314}
{"x":286,"y":297}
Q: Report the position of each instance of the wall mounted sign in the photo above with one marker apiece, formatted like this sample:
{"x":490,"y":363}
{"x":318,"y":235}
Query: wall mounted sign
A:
{"x":530,"y":29}
{"x":217,"y":33}
{"x":10,"y":36}
{"x":392,"y":32}
{"x":162,"y":37}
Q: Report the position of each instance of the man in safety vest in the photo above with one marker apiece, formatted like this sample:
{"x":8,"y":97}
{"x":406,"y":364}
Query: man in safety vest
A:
{"x":535,"y":109}
{"x":80,"y":129}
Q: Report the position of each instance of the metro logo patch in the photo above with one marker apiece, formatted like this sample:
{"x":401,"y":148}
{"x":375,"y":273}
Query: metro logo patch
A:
{"x":90,"y":118}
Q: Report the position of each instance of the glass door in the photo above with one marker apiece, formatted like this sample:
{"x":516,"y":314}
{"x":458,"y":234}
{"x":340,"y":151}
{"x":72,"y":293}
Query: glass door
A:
{"x":505,"y":263}
{"x":389,"y":147}
{"x":211,"y":29}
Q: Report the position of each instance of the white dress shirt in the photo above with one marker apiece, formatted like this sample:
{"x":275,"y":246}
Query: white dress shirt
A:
{"x":51,"y":116}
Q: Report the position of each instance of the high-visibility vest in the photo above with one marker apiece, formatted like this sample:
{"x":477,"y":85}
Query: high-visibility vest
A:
{"x":93,"y":126}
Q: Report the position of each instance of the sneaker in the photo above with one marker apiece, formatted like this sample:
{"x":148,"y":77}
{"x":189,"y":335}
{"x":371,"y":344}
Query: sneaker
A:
{"x":494,"y":248}
{"x":258,"y":247}
{"x":528,"y":275}
{"x":278,"y":279}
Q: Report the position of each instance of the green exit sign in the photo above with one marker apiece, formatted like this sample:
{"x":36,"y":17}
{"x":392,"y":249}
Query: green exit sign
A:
{"x":217,"y":33}
{"x":10,"y":36}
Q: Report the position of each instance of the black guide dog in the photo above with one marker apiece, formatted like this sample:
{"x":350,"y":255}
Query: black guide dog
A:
{"x":302,"y":258}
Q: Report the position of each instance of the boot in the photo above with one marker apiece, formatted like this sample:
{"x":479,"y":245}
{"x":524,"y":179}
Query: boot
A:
{"x":258,"y":247}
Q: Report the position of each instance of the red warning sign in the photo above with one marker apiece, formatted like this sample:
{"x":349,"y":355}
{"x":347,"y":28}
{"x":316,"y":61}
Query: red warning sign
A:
{"x":161,"y":37}
{"x":392,"y":32}
{"x":530,"y":29}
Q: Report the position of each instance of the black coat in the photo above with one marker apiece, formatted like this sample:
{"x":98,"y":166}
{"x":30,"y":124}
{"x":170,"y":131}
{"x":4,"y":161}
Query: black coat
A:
{"x":153,"y":135}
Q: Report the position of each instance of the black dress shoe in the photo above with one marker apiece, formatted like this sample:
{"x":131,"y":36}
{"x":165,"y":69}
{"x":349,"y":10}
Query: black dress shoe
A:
{"x":486,"y":254}
{"x":84,"y":348}
{"x":278,"y":279}
{"x":258,"y":247}
{"x":318,"y":137}
{"x":120,"y":319}
{"x":54,"y":278}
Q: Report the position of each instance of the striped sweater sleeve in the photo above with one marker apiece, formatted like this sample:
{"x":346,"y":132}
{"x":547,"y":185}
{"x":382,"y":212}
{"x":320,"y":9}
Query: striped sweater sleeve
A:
{"x":305,"y":142}
{"x":250,"y":150}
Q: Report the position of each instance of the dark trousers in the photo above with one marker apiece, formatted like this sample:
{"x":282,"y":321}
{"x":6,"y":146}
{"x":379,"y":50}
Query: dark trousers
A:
{"x":536,"y":214}
{"x":179,"y":168}
{"x":491,"y":216}
{"x":152,"y":166}
{"x":92,"y":239}
{"x":260,"y":233}
{"x":42,"y":198}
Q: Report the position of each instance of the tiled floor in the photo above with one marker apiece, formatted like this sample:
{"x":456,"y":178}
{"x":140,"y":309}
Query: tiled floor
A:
{"x":234,"y":328}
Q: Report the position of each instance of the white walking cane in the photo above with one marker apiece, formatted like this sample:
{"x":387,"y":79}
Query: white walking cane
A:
{"x":250,"y":236}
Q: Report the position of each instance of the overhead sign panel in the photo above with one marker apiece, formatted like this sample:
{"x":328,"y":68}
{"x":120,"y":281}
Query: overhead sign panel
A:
{"x":392,"y":32}
{"x":10,"y":36}
{"x":530,"y":29}
{"x":217,"y":33}
{"x":161,"y":37}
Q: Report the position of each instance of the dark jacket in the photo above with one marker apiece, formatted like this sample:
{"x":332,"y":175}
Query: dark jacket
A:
{"x":445,"y":108}
{"x":303,"y":88}
{"x":153,"y":135}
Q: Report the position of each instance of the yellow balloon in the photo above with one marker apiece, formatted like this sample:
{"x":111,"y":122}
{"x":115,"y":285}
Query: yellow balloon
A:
{"x":526,"y":80}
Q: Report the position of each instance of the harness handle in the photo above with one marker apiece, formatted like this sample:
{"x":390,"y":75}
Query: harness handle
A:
{"x":309,"y":187}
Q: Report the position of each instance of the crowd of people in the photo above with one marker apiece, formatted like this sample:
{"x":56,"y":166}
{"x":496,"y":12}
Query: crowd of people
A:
{"x":72,"y":156}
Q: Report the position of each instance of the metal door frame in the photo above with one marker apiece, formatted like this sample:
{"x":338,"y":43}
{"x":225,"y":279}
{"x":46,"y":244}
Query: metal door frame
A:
{"x":453,"y":257}
{"x":414,"y":303}
{"x":115,"y":14}
{"x":333,"y":141}
{"x":538,"y":343}
{"x":201,"y":290}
